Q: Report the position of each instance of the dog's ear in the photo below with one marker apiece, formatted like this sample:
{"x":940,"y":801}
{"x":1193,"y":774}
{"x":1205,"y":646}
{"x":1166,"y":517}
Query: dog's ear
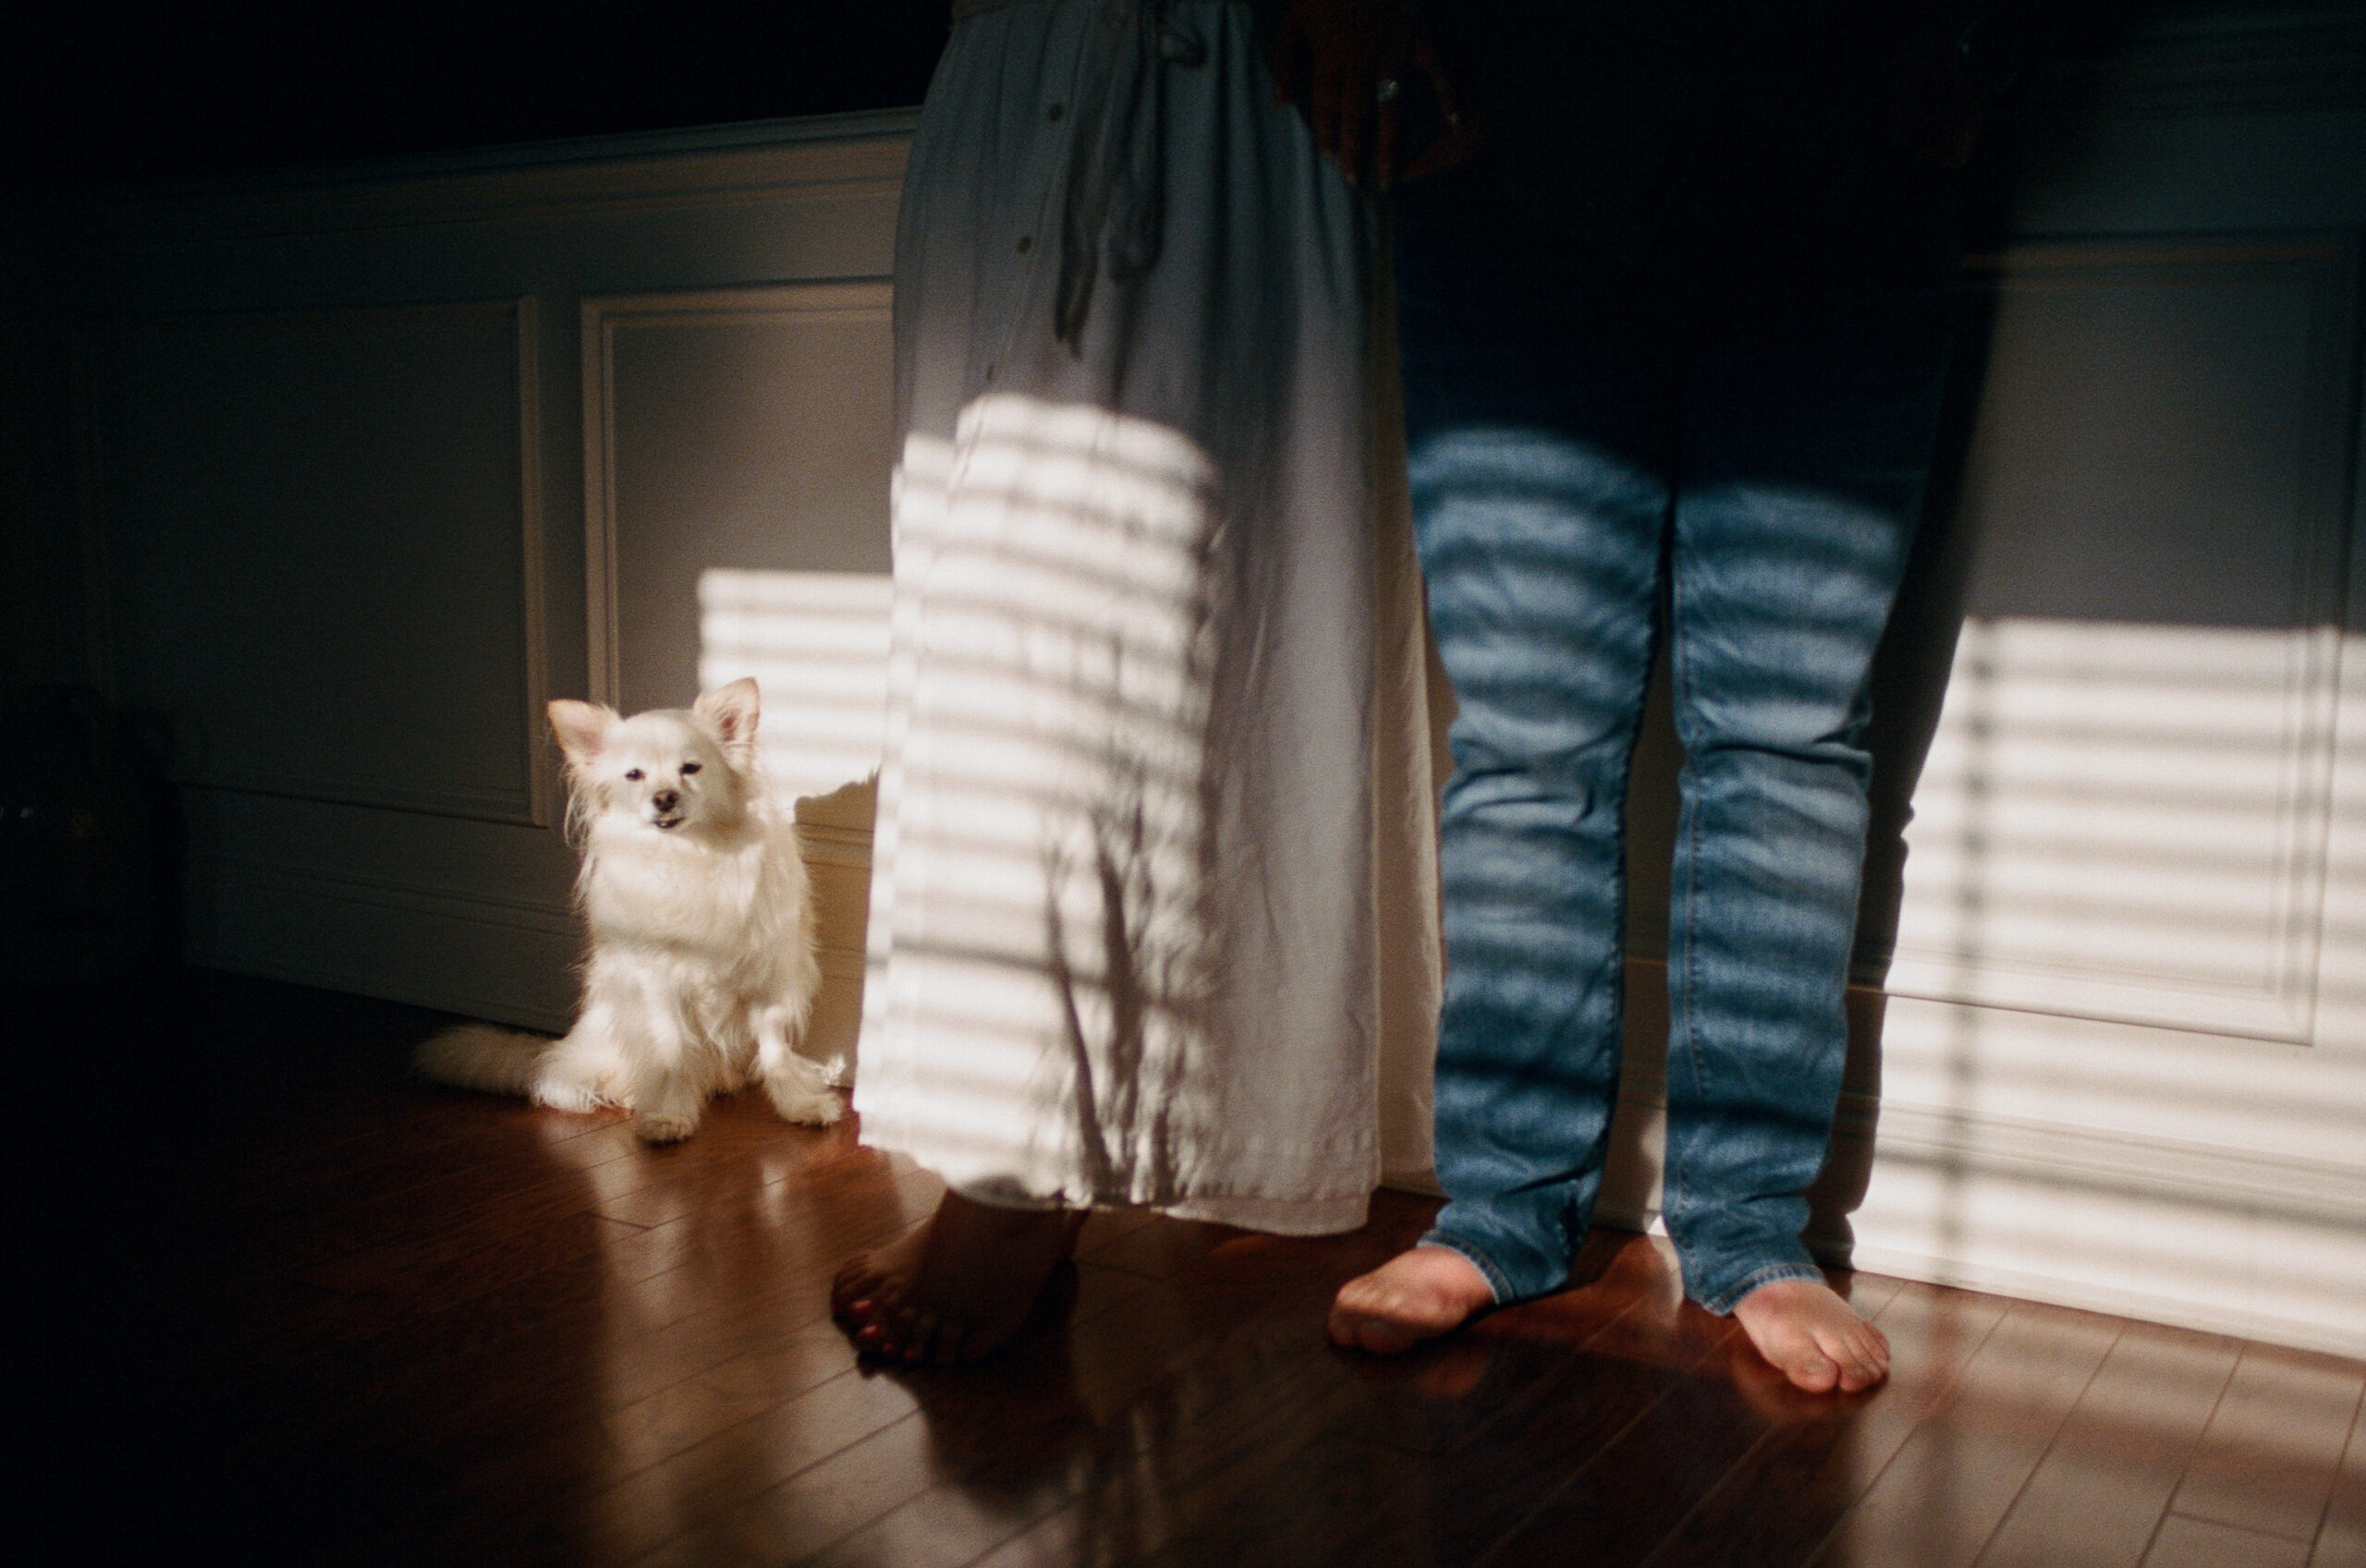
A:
{"x":732,"y":710}
{"x":583,"y":729}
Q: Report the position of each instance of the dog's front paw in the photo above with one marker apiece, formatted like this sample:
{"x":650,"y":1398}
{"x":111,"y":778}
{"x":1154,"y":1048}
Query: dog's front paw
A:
{"x":807,"y":1105}
{"x":655,"y":1127}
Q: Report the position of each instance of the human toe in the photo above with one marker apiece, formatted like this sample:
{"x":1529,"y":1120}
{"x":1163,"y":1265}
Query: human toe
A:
{"x":858,"y":1280}
{"x":1864,"y":1365}
{"x":1812,"y":1369}
{"x":916,"y":1337}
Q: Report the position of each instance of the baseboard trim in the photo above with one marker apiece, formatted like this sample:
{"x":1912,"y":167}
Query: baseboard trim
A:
{"x":2163,"y":1170}
{"x":509,"y":960}
{"x":2181,"y":1312}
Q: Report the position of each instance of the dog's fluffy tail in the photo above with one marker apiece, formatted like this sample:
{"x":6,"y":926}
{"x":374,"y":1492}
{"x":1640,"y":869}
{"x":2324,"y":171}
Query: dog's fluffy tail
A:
{"x":479,"y":1057}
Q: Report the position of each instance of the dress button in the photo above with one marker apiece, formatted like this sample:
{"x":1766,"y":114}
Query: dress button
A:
{"x":1053,"y":114}
{"x":1026,"y":243}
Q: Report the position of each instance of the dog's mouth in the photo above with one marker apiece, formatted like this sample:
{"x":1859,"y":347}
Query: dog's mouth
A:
{"x":667,"y":824}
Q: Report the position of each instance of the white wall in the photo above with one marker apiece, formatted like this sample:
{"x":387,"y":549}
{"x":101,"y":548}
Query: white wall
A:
{"x":2124,"y":1058}
{"x":385,"y":461}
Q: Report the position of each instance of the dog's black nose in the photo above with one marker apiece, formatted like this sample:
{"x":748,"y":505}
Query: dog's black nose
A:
{"x":665,"y":799}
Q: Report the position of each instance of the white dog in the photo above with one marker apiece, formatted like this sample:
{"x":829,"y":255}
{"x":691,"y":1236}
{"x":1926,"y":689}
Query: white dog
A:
{"x":702,"y":969}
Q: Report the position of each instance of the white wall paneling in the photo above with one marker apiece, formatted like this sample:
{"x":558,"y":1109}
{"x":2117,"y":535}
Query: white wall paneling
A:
{"x":2122,"y":1061}
{"x":327,"y":533}
{"x":2124,"y":814}
{"x":338,"y":482}
{"x":735,"y":431}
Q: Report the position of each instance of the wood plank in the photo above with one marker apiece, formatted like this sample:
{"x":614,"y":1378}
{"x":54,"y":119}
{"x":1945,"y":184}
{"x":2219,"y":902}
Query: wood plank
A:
{"x":1334,"y":1499}
{"x":1349,"y":1497}
{"x":325,"y":1314}
{"x":803,"y":1513}
{"x":2267,"y":1458}
{"x":667,"y":1388}
{"x":1530,"y":1400}
{"x":2341,"y":1540}
{"x":945,"y":1527}
{"x":2196,"y":1543}
{"x":1220,"y":1459}
{"x":1160,"y":1249}
{"x":1201,"y":1414}
{"x":645,"y":1335}
{"x":696,"y":1447}
{"x":649,"y":1506}
{"x":514,"y":1409}
{"x":745,"y":1490}
{"x":1498,"y":1376}
{"x":281,"y":1282}
{"x":1819,"y":1453}
{"x":1179,"y":1479}
{"x":378,"y":1292}
{"x":1938,"y":1501}
{"x":1506,"y":1400}
{"x":2099,"y":1494}
{"x":1017,"y":1433}
{"x":1168,"y":1480}
{"x":1223,"y":1362}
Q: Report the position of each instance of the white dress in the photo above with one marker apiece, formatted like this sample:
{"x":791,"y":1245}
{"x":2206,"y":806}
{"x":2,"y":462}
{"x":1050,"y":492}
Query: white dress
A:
{"x":1153,"y":914}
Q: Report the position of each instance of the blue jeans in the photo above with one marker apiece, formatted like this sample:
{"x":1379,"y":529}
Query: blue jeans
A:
{"x":1725,"y":447}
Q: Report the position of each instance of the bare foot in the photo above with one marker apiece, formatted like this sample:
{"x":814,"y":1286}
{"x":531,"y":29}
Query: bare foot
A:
{"x":1417,"y":1295}
{"x":960,"y":1287}
{"x":1813,"y":1337}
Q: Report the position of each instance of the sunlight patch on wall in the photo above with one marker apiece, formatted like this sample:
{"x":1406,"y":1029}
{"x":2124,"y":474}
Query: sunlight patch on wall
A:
{"x":2124,"y":1058}
{"x":2125,"y":822}
{"x":816,"y":642}
{"x":2134,"y":870}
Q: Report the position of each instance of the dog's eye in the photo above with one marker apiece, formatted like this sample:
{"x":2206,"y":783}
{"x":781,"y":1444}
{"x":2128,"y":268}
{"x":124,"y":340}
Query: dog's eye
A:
{"x":690,"y":768}
{"x":632,"y":775}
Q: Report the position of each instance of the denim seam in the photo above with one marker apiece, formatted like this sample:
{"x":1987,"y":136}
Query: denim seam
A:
{"x":1497,"y":1281}
{"x":1682,"y":967}
{"x":1764,"y":1275}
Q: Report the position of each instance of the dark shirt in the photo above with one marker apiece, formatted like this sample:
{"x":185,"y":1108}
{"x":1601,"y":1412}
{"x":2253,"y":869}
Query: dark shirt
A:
{"x":1604,"y":116}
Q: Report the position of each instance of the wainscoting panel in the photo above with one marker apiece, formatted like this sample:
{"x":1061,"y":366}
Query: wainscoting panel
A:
{"x":2124,"y":812}
{"x":455,"y":913}
{"x":2193,"y":1179}
{"x":326,"y":535}
{"x":735,"y":430}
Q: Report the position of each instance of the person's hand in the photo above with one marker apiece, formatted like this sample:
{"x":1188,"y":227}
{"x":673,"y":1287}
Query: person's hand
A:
{"x":1348,"y":61}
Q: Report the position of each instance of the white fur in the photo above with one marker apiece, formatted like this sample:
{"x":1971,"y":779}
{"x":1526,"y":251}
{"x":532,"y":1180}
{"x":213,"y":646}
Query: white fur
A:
{"x":701,"y":970}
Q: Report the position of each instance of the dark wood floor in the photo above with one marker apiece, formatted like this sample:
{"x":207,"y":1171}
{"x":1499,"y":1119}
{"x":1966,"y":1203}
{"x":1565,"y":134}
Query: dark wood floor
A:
{"x":289,"y":1306}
